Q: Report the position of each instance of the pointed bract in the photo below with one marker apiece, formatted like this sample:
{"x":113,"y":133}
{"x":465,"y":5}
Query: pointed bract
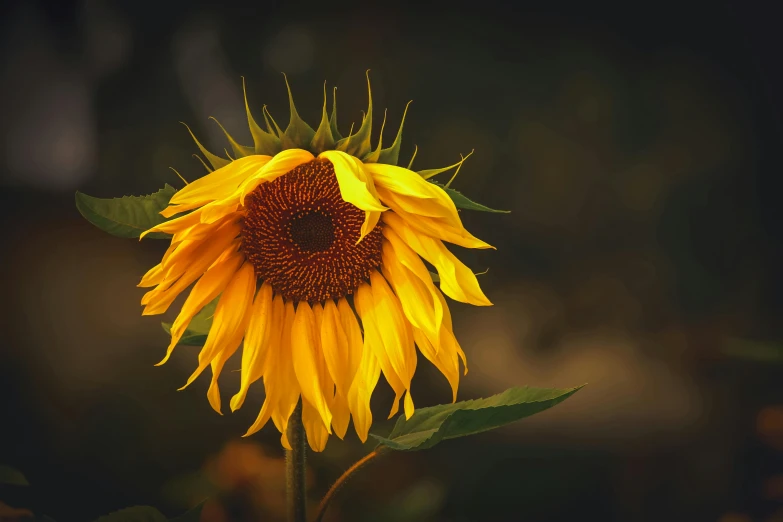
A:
{"x":391,"y":155}
{"x":358,"y":145}
{"x":240,"y":151}
{"x":373,"y":156}
{"x":298,"y":134}
{"x":333,"y":118}
{"x":265,"y":143}
{"x":323,"y":139}
{"x":216,"y":161}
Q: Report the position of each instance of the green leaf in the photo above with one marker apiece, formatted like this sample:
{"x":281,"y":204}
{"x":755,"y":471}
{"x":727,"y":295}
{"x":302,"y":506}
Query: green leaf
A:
{"x":753,"y":350}
{"x":134,"y":514}
{"x":12,"y":476}
{"x":128,"y":216}
{"x":196,"y":333}
{"x":428,"y":426}
{"x":194,"y":515}
{"x":461,"y":201}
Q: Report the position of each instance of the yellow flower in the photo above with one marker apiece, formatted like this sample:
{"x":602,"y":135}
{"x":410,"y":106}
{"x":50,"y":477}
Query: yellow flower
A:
{"x":313,"y":245}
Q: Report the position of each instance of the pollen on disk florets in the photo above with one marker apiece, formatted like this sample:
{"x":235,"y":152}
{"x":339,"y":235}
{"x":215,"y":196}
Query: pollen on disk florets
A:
{"x":300,"y":235}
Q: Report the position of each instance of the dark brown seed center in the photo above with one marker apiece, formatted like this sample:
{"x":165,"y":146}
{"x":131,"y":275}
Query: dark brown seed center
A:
{"x":312,"y":231}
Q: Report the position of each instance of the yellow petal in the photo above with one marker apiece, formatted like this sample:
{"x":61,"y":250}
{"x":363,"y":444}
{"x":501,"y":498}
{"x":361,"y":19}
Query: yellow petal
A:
{"x":306,"y":352}
{"x":444,"y":358}
{"x":176,"y":225}
{"x":153,"y":277}
{"x":362,"y":387}
{"x":184,"y":269}
{"x":342,"y":362}
{"x":413,"y":285}
{"x":456,"y":280}
{"x":256,"y":345}
{"x":289,"y":386}
{"x":449,"y":328}
{"x":218,"y":184}
{"x":411,"y":192}
{"x":327,"y":384}
{"x":393,"y":330}
{"x":274,"y":367}
{"x":317,"y":435}
{"x":396,"y":333}
{"x":366,"y":308}
{"x":207,"y":288}
{"x":229,"y":319}
{"x":356,"y":187}
{"x":280,"y":164}
{"x":334,"y":343}
{"x":438,"y":228}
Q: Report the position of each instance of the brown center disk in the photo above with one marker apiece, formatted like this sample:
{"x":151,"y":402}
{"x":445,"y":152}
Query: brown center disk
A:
{"x":301,"y":236}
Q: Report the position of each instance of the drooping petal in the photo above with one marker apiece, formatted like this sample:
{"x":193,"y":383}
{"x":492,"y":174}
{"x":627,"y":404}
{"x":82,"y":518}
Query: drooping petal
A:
{"x":444,"y":357}
{"x":216,"y":185}
{"x":365,"y":307}
{"x":305,"y":351}
{"x":256,"y":345}
{"x":207,"y":288}
{"x":185,"y":269}
{"x":342,"y":361}
{"x":414,"y":194}
{"x":456,"y":280}
{"x":289,"y":386}
{"x":273,"y":367}
{"x":334,"y":343}
{"x":367,"y":374}
{"x":395,"y":333}
{"x":229,"y":322}
{"x":412,"y":283}
{"x":153,"y":277}
{"x":317,"y":434}
{"x":452,"y":341}
{"x":356,"y":187}
{"x":175,"y":226}
{"x":276,"y":167}
{"x":437,"y":228}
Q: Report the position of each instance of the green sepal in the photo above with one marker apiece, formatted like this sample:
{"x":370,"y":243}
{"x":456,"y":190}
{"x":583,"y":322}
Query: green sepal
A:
{"x":298,"y":134}
{"x":358,"y":145}
{"x":197,"y":330}
{"x":127,"y":216}
{"x":265,"y":143}
{"x":428,"y":173}
{"x":216,"y":161}
{"x":134,"y":514}
{"x":12,"y":477}
{"x":373,"y":156}
{"x":429,"y":426}
{"x":193,"y":515}
{"x":271,"y":124}
{"x":461,"y":201}
{"x":323,"y":139}
{"x":240,"y":151}
{"x":333,"y":118}
{"x":391,"y":155}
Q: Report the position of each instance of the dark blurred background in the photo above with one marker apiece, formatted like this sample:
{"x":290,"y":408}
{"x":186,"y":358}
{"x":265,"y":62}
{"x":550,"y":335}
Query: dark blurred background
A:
{"x":637,"y":146}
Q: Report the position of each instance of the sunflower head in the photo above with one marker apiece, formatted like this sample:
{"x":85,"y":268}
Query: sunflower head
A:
{"x":307,"y":250}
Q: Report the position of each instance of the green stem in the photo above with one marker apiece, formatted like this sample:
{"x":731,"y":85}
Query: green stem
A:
{"x":296,"y":492}
{"x":340,"y":482}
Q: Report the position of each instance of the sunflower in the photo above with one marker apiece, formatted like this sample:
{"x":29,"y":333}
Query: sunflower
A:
{"x":314,"y":247}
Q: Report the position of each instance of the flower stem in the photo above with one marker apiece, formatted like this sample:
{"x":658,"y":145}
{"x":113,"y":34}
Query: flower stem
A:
{"x":340,"y":482}
{"x":295,"y":468}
